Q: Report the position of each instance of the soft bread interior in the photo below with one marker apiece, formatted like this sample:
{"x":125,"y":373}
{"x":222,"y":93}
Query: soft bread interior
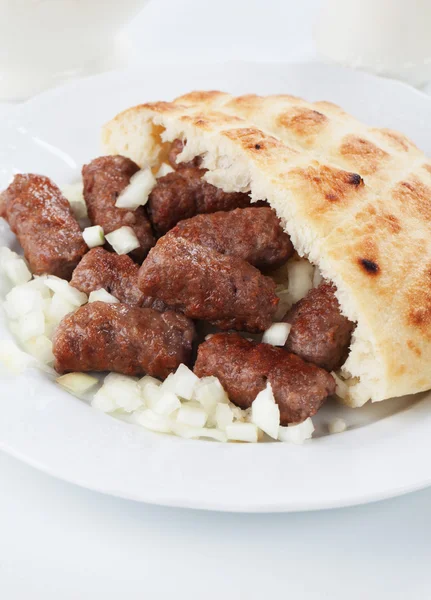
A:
{"x":329,"y":214}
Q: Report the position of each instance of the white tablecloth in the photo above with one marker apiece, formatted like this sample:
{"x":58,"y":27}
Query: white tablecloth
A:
{"x":59,"y":542}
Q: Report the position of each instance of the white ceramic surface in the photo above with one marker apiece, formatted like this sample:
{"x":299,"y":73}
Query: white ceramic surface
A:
{"x":385,"y":451}
{"x":43,"y":43}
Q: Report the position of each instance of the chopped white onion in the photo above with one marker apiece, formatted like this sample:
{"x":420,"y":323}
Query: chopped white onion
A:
{"x":284,"y":303}
{"x":296,"y":434}
{"x":22,"y":300}
{"x":341,"y":387}
{"x":137,"y":192}
{"x":192,"y":415}
{"x":300,"y":279}
{"x":103,"y":401}
{"x":74,"y":194}
{"x":41,"y":348}
{"x":124,"y":391}
{"x":242,"y":432}
{"x":123,"y":240}
{"x":150,"y":393}
{"x":337,"y":425}
{"x":15,"y":360}
{"x":94,"y":236}
{"x":17,"y":271}
{"x":277,"y":334}
{"x":265,"y":413}
{"x":68,"y":292}
{"x":6,"y":254}
{"x":223,"y":416}
{"x":59,"y":308}
{"x":31,"y":325}
{"x":151,"y":420}
{"x":39,"y":283}
{"x":102,"y":295}
{"x":166,"y":404}
{"x":317,"y":277}
{"x":181,"y":383}
{"x":164,"y":169}
{"x":209,"y":393}
{"x":186,"y":431}
{"x":77,"y":383}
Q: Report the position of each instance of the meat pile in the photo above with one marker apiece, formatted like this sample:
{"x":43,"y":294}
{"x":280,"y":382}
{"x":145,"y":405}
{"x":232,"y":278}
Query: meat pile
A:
{"x":204,"y":255}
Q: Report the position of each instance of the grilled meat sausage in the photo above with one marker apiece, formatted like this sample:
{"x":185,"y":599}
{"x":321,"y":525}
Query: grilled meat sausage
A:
{"x":42,"y":220}
{"x":253,"y":234}
{"x":183,"y":194}
{"x":116,"y":274}
{"x":124,"y":339}
{"x":207,"y":285}
{"x":104,"y":179}
{"x":320,"y":333}
{"x":245,"y":367}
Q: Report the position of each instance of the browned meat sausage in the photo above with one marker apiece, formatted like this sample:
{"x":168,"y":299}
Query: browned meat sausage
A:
{"x":104,"y":179}
{"x":244,"y":368}
{"x":207,"y":285}
{"x":118,"y":275}
{"x":41,"y":218}
{"x":124,"y":339}
{"x":183,"y":194}
{"x":320,"y":333}
{"x":253,"y":234}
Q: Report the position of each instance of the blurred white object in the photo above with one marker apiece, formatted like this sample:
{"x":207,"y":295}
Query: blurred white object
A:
{"x":43,"y":42}
{"x":387,"y":37}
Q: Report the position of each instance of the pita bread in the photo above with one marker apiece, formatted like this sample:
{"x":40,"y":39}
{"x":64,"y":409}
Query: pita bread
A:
{"x":355,"y":200}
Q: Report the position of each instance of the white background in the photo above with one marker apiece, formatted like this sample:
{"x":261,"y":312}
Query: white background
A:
{"x":60,"y":542}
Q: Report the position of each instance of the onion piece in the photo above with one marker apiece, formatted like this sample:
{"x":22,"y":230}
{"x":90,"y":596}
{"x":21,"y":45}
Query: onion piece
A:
{"x":192,"y":415}
{"x":337,"y":425}
{"x":103,"y":401}
{"x":59,"y":308}
{"x":41,"y":348}
{"x":77,"y":383}
{"x":296,"y":433}
{"x":124,"y":391}
{"x":68,"y":292}
{"x":150,"y":420}
{"x":166,"y":404}
{"x":102,"y":295}
{"x":277,"y":334}
{"x":15,"y":360}
{"x":182,"y":382}
{"x":74,"y":194}
{"x":17,"y":271}
{"x":123,"y":240}
{"x":150,"y":393}
{"x":94,"y":236}
{"x":22,"y":300}
{"x":164,"y":169}
{"x":223,"y":416}
{"x":265,"y":413}
{"x":242,"y":432}
{"x":137,"y":192}
{"x":300,"y":279}
{"x":31,"y":325}
{"x":341,"y":387}
{"x":188,"y":432}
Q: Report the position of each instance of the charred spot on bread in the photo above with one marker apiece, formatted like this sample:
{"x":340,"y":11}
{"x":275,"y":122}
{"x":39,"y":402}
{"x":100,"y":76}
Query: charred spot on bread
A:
{"x":355,"y":179}
{"x":257,"y":146}
{"x":369,"y":266}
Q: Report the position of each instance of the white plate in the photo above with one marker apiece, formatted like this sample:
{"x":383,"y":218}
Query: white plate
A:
{"x":386,"y":450}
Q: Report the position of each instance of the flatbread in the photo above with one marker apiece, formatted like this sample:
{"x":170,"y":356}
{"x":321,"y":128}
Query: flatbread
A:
{"x":355,"y":200}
